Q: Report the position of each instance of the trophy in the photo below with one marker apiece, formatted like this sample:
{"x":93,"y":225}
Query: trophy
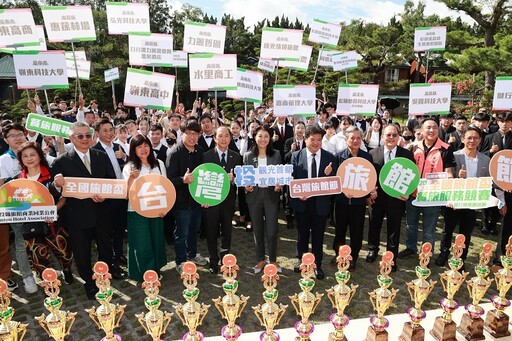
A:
{"x":496,"y":321}
{"x":269,"y":314}
{"x":230,"y":306}
{"x":55,"y":323}
{"x":472,"y":325}
{"x":381,"y":299}
{"x":155,"y":321}
{"x":107,"y":316}
{"x":444,"y":327}
{"x":191,"y":313}
{"x":341,"y":294}
{"x":305,"y":303}
{"x":9,"y":330}
{"x":419,"y":289}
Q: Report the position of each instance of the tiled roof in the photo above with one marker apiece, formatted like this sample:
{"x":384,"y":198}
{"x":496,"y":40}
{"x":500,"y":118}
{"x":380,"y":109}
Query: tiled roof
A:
{"x":7,"y":68}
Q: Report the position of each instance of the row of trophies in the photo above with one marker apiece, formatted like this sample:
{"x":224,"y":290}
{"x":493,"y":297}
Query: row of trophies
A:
{"x":107,"y":316}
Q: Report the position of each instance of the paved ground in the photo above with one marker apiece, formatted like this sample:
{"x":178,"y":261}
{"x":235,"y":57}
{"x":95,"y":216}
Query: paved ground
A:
{"x":127,"y":292}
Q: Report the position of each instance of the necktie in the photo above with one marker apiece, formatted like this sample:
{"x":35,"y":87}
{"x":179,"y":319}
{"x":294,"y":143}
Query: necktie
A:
{"x":282,"y":133}
{"x":297,"y":145}
{"x":504,"y":141}
{"x":87,"y":164}
{"x":223,"y":160}
{"x":389,"y":156}
{"x":313,"y":166}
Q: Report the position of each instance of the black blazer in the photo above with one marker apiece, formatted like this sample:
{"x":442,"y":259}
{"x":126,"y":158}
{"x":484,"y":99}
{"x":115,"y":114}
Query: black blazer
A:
{"x":279,"y":144}
{"x":458,"y":144}
{"x":202,"y":142}
{"x":83,"y":213}
{"x":288,"y":148}
{"x":116,"y":147}
{"x":233,"y":159}
{"x":495,"y":138}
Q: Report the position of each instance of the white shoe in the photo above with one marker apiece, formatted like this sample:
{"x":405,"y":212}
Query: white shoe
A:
{"x":199,"y":260}
{"x":179,"y":268}
{"x":30,"y":285}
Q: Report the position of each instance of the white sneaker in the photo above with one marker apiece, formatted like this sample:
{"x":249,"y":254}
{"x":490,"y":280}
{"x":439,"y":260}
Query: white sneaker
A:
{"x":199,"y":260}
{"x":179,"y":268}
{"x":30,"y":285}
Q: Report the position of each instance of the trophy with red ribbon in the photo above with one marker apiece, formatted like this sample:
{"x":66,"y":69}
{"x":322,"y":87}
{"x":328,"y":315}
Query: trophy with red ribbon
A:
{"x":9,"y":330}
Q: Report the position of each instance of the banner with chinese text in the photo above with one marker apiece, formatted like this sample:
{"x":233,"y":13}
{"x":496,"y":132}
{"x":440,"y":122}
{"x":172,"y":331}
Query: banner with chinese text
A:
{"x":307,"y":188}
{"x":358,"y":177}
{"x":40,"y":69}
{"x":357,"y":99}
{"x":148,"y":89}
{"x":126,"y":17}
{"x":294,"y":100}
{"x":85,"y":188}
{"x":249,"y":86}
{"x":325,"y":58}
{"x":204,"y":38}
{"x":269,"y":175}
{"x":500,"y":169}
{"x":68,"y":23}
{"x":502,"y":93}
{"x":17,"y":28}
{"x":280,"y":43}
{"x":212,"y":71}
{"x":399,"y":177}
{"x":304,"y":57}
{"x":267,"y":64}
{"x":344,"y":61}
{"x":430,"y":98}
{"x":325,"y":33}
{"x":111,"y":74}
{"x":211,"y":184}
{"x":152,"y":195}
{"x":49,"y":126}
{"x":150,"y":49}
{"x":179,"y":59}
{"x":429,"y":38}
{"x":83,"y":67}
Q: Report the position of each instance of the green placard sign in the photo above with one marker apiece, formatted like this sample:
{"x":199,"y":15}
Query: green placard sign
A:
{"x":49,"y":126}
{"x":399,"y":177}
{"x":211,"y":184}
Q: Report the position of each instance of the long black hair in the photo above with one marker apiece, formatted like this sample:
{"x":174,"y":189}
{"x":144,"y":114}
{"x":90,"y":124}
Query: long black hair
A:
{"x":270,"y":147}
{"x":136,"y":141}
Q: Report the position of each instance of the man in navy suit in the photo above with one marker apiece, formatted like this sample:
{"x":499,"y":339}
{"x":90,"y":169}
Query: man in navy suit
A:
{"x":312,"y":213}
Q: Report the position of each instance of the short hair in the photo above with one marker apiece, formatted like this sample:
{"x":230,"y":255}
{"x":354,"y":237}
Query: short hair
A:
{"x":94,"y":102}
{"x":301,"y":122}
{"x":460,"y":117}
{"x":190,"y":125}
{"x":426,"y":119}
{"x":204,"y":117}
{"x":37,"y":148}
{"x":89,"y":113}
{"x":236,"y":122}
{"x":155,"y":127}
{"x":482,"y":117}
{"x":129,"y":121}
{"x":353,"y":129}
{"x":334,"y":121}
{"x":504,"y":116}
{"x":393,"y":126}
{"x":102,"y":121}
{"x":221,"y":127}
{"x":175,"y":116}
{"x":253,"y":120}
{"x":12,"y":126}
{"x":348,"y":119}
{"x":78,"y":124}
{"x":328,"y":105}
{"x":121,"y":127}
{"x":473,"y":128}
{"x":313,"y":130}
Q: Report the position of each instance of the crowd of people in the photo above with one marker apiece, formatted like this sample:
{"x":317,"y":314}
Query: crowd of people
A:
{"x":127,"y":144}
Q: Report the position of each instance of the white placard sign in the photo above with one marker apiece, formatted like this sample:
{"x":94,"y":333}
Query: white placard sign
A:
{"x":111,"y":74}
{"x":80,"y":55}
{"x":42,"y":42}
{"x":150,"y":49}
{"x":430,"y":98}
{"x":357,"y":99}
{"x":344,"y":61}
{"x":267,"y":64}
{"x":303,"y":63}
{"x":83,"y":66}
{"x":502,"y":93}
{"x":280,"y":43}
{"x":294,"y":100}
{"x":429,"y":38}
{"x":148,"y":89}
{"x":125,"y":17}
{"x":249,"y":86}
{"x":40,"y":69}
{"x":68,"y":23}
{"x":204,"y":38}
{"x":325,"y":57}
{"x":180,"y":59}
{"x":210,"y":71}
{"x":17,"y":28}
{"x":325,"y":33}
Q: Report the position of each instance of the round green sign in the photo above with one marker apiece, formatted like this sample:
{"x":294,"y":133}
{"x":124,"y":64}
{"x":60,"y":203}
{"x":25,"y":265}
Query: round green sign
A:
{"x":399,"y":177}
{"x":211,"y":184}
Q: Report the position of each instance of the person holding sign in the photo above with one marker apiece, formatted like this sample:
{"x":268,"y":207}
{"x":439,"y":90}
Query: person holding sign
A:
{"x":312,"y":213}
{"x":263,"y":201}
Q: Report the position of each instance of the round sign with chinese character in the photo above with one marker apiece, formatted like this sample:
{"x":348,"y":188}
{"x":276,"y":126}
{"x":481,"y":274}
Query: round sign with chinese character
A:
{"x":358,"y":177}
{"x":211,"y":184}
{"x":399,"y":177}
{"x":152,"y":195}
{"x":501,"y":169}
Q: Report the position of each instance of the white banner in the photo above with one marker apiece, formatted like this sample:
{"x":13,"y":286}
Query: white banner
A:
{"x":17,"y":28}
{"x":80,"y":55}
{"x":42,"y":42}
{"x":40,"y":69}
{"x":294,"y":100}
{"x":325,"y":33}
{"x":204,"y":38}
{"x":148,"y":89}
{"x":212,"y":71}
{"x":303,"y":63}
{"x":357,"y":99}
{"x":430,"y":98}
{"x":111,"y":74}
{"x":344,"y":61}
{"x":180,"y":59}
{"x":126,"y":17}
{"x":68,"y":23}
{"x":502,"y":93}
{"x":150,"y":49}
{"x":83,"y":66}
{"x":429,"y":38}
{"x":280,"y":43}
{"x":266,"y":64}
{"x":249,"y":86}
{"x":325,"y":57}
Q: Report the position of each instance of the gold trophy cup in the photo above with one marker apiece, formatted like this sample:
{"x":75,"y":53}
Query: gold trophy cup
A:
{"x":155,"y":321}
{"x":341,"y":294}
{"x":58,"y":323}
{"x":107,"y":316}
{"x":270,"y":314}
{"x":9,"y":330}
{"x":419,"y":289}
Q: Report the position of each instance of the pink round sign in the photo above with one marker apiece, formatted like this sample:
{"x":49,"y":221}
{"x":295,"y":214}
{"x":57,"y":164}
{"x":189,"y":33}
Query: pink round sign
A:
{"x":308,"y":258}
{"x":189,"y":268}
{"x":344,"y":251}
{"x":460,"y":239}
{"x":100,"y":268}
{"x":426,"y":248}
{"x":487,"y":247}
{"x":270,"y":270}
{"x":150,"y":276}
{"x":229,"y":260}
{"x":49,"y":275}
{"x":387,"y":256}
{"x":3,"y":286}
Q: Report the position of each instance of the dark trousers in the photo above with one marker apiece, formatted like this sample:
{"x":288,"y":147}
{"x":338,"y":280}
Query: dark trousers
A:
{"x":392,"y":209}
{"x":310,"y":223}
{"x":506,"y":230}
{"x":118,"y":209}
{"x":5,"y":256}
{"x":466,"y":219}
{"x":242,"y":204}
{"x":214,"y":217}
{"x":352,"y":217}
{"x":491,"y":217}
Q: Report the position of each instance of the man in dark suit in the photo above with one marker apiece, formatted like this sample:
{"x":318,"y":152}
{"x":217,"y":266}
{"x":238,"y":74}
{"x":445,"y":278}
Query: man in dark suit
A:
{"x":385,"y":205}
{"x":446,"y":126}
{"x":86,"y":219}
{"x":221,"y":214}
{"x":206,"y":140}
{"x":312,"y":213}
{"x":282,"y":132}
{"x":454,"y":138}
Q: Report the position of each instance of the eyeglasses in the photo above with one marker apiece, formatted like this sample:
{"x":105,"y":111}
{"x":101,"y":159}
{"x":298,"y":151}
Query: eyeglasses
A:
{"x":81,"y":137}
{"x":16,"y":136}
{"x":391,"y":135}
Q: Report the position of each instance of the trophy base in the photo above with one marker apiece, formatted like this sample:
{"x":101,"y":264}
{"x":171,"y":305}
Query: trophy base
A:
{"x":374,"y":335}
{"x":270,"y":337}
{"x":333,"y":337}
{"x":471,"y":329}
{"x":496,"y":326}
{"x":412,"y":334}
{"x":231,"y":334}
{"x":116,"y":337}
{"x":444,"y":331}
{"x":304,"y":330}
{"x":197,"y":337}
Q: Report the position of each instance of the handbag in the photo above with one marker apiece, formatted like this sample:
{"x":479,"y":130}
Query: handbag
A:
{"x":31,"y":230}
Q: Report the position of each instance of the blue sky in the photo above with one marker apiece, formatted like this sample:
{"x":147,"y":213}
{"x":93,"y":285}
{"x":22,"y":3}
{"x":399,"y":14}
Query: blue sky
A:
{"x":379,"y":11}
